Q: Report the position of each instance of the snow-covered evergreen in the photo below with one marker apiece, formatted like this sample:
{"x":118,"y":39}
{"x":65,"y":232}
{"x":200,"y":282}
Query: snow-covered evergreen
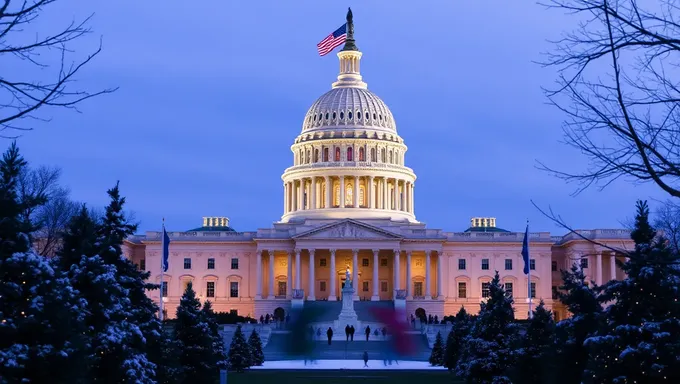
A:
{"x":437,"y":354}
{"x":487,"y":352}
{"x":640,"y":340}
{"x":454,"y":341}
{"x":535,"y":359}
{"x":239,"y":352}
{"x":41,"y":315}
{"x":256,"y":353}
{"x":570,"y":334}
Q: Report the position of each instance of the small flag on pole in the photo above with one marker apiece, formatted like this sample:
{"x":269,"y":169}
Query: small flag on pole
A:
{"x":166,"y":249}
{"x":525,"y":251}
{"x":333,"y":40}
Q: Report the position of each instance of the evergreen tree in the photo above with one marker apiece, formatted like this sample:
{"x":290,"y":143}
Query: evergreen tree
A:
{"x":535,"y":357}
{"x":196,"y":342}
{"x":454,"y":342}
{"x":41,"y":315}
{"x":112,"y":232}
{"x":239,"y":352}
{"x":437,"y":354}
{"x":111,"y":334}
{"x":640,"y":340}
{"x":571,"y":333}
{"x":256,"y":352}
{"x":218,"y":352}
{"x":487,"y":354}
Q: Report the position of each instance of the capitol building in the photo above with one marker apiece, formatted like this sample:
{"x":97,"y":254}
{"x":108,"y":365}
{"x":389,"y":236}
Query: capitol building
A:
{"x":349,"y":204}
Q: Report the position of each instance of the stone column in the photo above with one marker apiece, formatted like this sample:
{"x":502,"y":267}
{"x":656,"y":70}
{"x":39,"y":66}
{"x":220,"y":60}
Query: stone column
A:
{"x":312,"y":281}
{"x":385,"y":204}
{"x":258,"y":273}
{"x":369,"y":190}
{"x":397,"y":196}
{"x":313,"y":193}
{"x":329,"y":192}
{"x":413,"y":201}
{"x":356,"y":192}
{"x":376,"y":265}
{"x":285,"y":198}
{"x":409,"y":283}
{"x":342,"y":192}
{"x":612,"y":266}
{"x":397,"y":272}
{"x":289,"y":275}
{"x":270,"y":294}
{"x":402,"y":197}
{"x":297,"y":268}
{"x":407,"y":196}
{"x":440,"y":290}
{"x":332,"y":296}
{"x":293,"y":196}
{"x":355,"y":273}
{"x":428,"y":280}
{"x":598,"y":277}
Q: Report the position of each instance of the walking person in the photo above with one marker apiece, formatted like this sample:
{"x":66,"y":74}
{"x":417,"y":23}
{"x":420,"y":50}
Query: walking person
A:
{"x":368,"y":332}
{"x":329,"y":333}
{"x":351,"y":333}
{"x":347,"y":332}
{"x":365,"y":359}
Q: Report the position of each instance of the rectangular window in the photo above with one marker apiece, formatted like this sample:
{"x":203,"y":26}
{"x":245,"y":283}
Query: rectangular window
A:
{"x":461,"y":264}
{"x":532,"y":264}
{"x":418,"y":289}
{"x":485,"y":290}
{"x":462,"y":290}
{"x":383,"y":286}
{"x":211,"y":263}
{"x":233,"y":289}
{"x":508,"y":264}
{"x":283,"y":287}
{"x":364,"y":286}
{"x":322,"y":286}
{"x":508,"y":289}
{"x":533,"y":290}
{"x":553,"y":266}
{"x":383,"y":262}
{"x":233,"y":312}
{"x":322,"y":262}
{"x":142,"y":265}
{"x":584,"y":263}
{"x":210,"y":289}
{"x":485,"y":264}
{"x":165,"y":289}
{"x":187,"y":263}
{"x":364,"y":262}
{"x":234,"y":263}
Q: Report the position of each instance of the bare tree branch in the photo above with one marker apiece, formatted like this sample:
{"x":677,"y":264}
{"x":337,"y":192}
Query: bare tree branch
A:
{"x":20,"y":99}
{"x":667,"y":219}
{"x":626,"y":124}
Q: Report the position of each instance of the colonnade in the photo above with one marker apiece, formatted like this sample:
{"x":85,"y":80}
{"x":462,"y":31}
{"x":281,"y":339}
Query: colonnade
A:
{"x":598,"y":266}
{"x":371,"y":192}
{"x":297,"y":254}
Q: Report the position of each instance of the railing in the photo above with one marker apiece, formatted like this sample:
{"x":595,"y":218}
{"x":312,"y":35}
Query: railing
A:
{"x":349,"y":164}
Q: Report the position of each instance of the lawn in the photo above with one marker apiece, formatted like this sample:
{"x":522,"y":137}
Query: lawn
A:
{"x":319,"y":376}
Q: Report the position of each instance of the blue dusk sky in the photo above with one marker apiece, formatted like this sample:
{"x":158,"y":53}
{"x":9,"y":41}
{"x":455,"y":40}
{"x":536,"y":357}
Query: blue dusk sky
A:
{"x":212,"y":96}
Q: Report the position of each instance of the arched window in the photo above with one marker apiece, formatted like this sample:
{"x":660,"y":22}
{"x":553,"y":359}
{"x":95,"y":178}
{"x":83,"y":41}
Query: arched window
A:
{"x":361,"y":154}
{"x":373,"y":158}
{"x":301,"y":157}
{"x":382,"y":155}
{"x":325,"y":155}
{"x":349,"y":195}
{"x":350,"y":154}
{"x":390,"y":157}
{"x":337,"y":153}
{"x":307,"y":158}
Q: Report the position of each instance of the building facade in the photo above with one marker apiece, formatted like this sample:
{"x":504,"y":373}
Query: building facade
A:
{"x":349,"y":204}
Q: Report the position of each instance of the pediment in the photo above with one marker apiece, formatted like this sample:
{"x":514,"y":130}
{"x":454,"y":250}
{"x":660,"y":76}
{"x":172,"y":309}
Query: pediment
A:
{"x":347,"y":230}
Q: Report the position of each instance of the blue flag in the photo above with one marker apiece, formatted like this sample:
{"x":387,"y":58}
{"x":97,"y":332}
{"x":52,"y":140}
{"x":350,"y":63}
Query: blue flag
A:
{"x":525,"y":251}
{"x":166,"y":250}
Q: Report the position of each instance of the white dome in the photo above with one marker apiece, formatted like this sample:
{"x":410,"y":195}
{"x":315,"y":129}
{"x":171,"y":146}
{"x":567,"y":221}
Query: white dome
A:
{"x":349,"y":108}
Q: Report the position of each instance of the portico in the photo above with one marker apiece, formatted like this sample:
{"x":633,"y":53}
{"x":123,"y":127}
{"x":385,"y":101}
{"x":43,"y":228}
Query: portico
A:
{"x":316,"y":262}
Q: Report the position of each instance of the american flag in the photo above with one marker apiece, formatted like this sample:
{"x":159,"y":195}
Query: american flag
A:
{"x":333,"y":40}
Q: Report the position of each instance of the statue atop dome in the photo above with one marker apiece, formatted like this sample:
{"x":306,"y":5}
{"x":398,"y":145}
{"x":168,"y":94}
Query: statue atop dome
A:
{"x":349,"y":42}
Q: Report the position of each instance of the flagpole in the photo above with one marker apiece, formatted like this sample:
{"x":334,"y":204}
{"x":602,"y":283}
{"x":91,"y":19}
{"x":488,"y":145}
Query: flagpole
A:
{"x":529,"y":274}
{"x":160,"y":314}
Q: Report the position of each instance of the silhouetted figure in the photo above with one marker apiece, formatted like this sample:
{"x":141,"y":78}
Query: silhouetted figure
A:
{"x":365,"y":359}
{"x":329,"y":334}
{"x":261,"y":319}
{"x":351,"y":333}
{"x":318,"y":333}
{"x":368,"y":332}
{"x":436,"y":319}
{"x":347,"y":332}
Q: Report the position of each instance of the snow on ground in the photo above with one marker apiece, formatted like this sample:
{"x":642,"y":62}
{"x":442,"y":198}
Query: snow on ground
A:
{"x":346,"y":364}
